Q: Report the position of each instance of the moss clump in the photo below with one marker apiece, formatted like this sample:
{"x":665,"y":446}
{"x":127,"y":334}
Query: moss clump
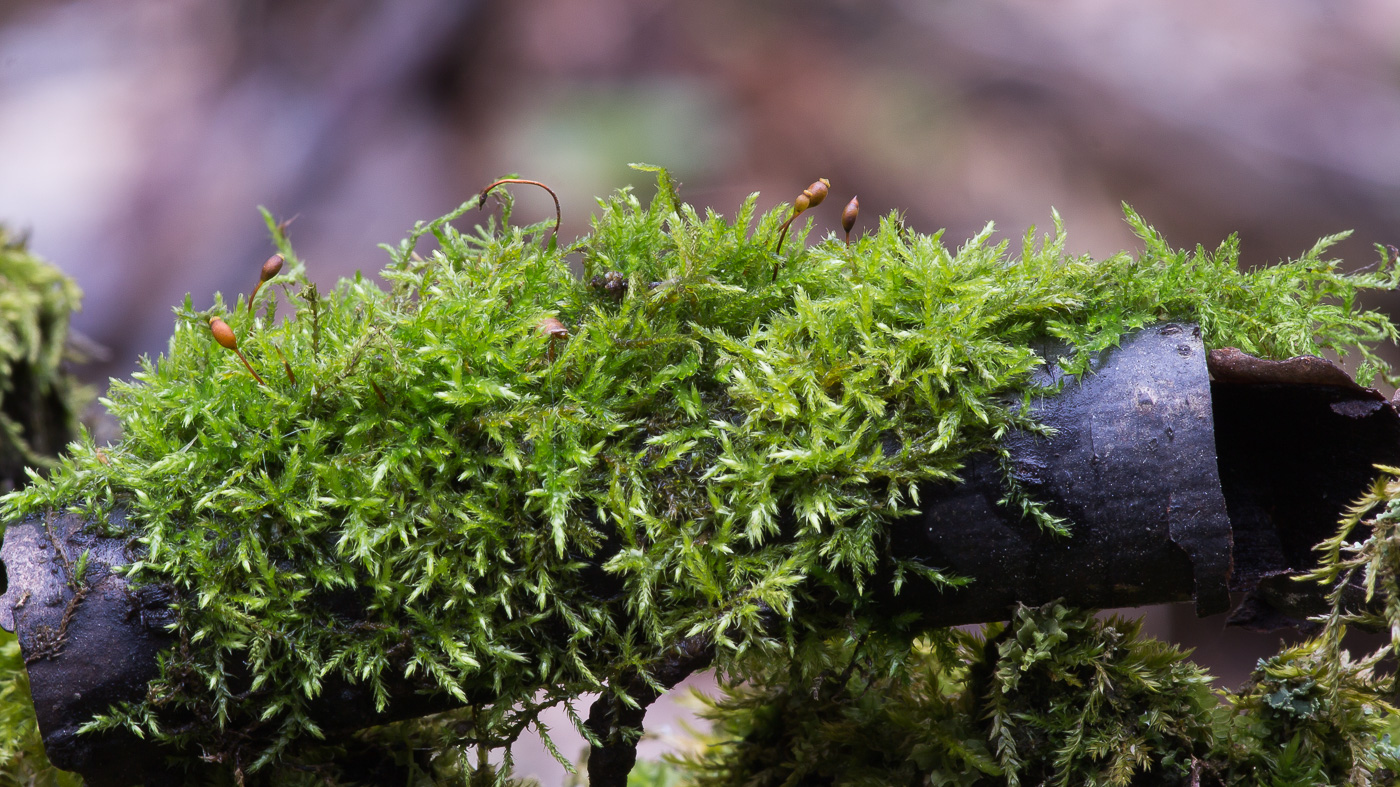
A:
{"x":443,"y":484}
{"x":36,"y":406}
{"x":36,"y":301}
{"x":1054,"y":697}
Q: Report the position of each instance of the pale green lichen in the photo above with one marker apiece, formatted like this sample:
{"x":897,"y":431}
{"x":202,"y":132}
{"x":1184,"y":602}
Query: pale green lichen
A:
{"x":436,"y":487}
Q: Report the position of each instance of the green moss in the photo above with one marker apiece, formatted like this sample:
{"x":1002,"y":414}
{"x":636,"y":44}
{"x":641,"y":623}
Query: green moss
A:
{"x":35,"y":303}
{"x":1055,"y":697}
{"x":429,"y":486}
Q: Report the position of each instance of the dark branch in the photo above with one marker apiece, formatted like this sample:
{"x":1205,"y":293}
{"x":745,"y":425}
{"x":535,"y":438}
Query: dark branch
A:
{"x":617,"y":725}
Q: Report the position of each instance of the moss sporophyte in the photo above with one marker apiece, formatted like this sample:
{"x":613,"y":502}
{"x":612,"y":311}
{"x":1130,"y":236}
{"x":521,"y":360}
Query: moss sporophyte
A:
{"x":512,"y":483}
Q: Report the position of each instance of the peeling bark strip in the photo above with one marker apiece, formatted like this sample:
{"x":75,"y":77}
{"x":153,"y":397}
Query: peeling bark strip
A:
{"x":1298,"y":441}
{"x":1177,"y":485}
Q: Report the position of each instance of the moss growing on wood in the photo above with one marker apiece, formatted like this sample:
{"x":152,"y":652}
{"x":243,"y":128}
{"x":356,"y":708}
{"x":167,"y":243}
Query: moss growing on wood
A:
{"x":1054,"y":697}
{"x":498,"y":478}
{"x":36,"y":411}
{"x":1059,"y":697}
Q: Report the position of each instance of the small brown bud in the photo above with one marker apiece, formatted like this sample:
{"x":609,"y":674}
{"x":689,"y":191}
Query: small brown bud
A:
{"x":849,"y":216}
{"x":1394,"y":254}
{"x":223,"y":334}
{"x":272,"y":267}
{"x":817,"y":191}
{"x":803,"y":202}
{"x":612,"y":284}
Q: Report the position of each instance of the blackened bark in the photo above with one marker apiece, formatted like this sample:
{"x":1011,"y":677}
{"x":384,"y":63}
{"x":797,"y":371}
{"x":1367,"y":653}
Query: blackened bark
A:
{"x":1131,"y":465}
{"x":1298,"y":442}
{"x":616,"y":725}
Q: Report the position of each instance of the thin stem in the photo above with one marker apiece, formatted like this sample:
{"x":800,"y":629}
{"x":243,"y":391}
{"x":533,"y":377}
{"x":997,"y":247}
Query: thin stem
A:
{"x":244,"y":359}
{"x":290,"y":377}
{"x":782,"y":236}
{"x":481,"y":199}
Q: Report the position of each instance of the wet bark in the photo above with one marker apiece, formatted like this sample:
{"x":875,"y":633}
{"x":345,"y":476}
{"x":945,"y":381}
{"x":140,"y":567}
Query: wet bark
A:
{"x":1187,"y":476}
{"x":1131,"y":464}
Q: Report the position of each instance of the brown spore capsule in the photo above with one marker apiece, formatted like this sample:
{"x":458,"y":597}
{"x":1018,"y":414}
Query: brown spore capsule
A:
{"x":224,"y":336}
{"x":555,"y":330}
{"x":810,"y":197}
{"x":271,"y":268}
{"x":849,"y":216}
{"x":552,"y":328}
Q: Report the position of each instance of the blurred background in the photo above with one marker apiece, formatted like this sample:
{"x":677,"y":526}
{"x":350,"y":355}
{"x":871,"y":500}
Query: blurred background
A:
{"x":137,"y":137}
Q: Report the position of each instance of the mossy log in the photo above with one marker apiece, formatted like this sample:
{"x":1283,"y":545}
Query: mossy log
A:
{"x":1185,"y":477}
